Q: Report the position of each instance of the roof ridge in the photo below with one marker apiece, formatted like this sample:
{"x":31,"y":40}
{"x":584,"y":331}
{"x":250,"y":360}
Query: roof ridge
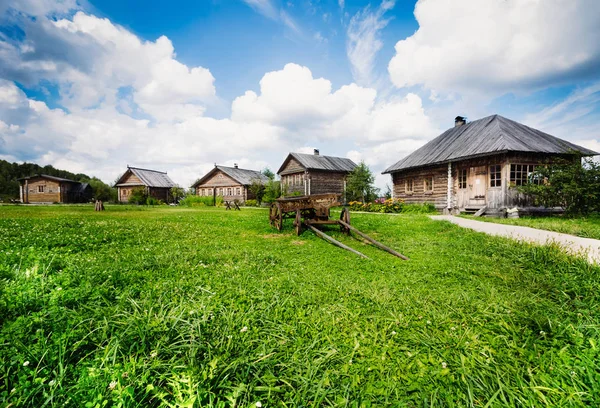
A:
{"x":140,"y":168}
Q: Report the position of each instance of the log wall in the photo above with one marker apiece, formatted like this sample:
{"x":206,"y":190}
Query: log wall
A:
{"x":226,"y":187}
{"x":52,"y":191}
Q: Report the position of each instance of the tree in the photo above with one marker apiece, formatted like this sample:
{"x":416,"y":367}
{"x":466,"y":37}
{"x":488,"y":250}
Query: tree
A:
{"x":102,"y":191}
{"x":570,"y":184}
{"x":359,"y":184}
{"x":177,"y":193}
{"x":258,"y":189}
{"x":267,"y":172}
{"x":272,"y":191}
{"x":138,"y":196}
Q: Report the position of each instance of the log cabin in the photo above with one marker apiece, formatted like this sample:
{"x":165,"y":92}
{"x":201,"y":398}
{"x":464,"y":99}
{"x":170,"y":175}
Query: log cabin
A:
{"x":308,"y":174}
{"x":477,"y":165}
{"x":231,"y":183}
{"x":156,"y":183}
{"x":42,"y":188}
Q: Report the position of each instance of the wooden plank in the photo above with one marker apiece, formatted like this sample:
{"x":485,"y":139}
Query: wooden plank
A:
{"x":333,"y":241}
{"x":371,"y":240}
{"x":480,"y":212}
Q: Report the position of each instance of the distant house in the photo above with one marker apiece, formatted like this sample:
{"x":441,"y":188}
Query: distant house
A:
{"x":41,"y":188}
{"x":314,"y":174}
{"x":478,"y":164}
{"x":156,"y":183}
{"x":231,"y":183}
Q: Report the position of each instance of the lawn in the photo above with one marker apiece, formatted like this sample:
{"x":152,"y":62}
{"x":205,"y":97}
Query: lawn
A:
{"x":586,"y":227}
{"x":145,"y":307}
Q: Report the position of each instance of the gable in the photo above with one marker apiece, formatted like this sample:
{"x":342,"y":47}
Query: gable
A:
{"x":291,"y":165}
{"x":217,"y":179}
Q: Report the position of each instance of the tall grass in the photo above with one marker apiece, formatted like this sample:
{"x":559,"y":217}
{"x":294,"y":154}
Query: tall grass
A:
{"x":200,"y":201}
{"x":148,"y":307}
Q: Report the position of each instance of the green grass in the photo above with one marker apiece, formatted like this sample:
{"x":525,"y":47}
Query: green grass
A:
{"x":143,"y":307}
{"x":586,"y":227}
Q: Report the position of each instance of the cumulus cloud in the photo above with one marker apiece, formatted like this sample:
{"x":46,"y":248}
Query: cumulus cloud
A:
{"x":499,"y":46}
{"x":124,"y":100}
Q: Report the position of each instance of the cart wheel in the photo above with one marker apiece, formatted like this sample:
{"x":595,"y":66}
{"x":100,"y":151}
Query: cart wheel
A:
{"x":272,"y":212}
{"x":345,"y":216}
{"x":298,"y":222}
{"x":277,"y":217}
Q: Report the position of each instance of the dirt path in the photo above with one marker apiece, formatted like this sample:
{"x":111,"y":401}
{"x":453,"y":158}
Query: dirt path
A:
{"x":571,"y":243}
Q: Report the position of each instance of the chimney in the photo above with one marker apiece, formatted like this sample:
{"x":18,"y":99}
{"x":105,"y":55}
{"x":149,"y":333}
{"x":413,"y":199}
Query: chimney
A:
{"x":459,"y":121}
{"x":316,"y":152}
{"x":235,"y":165}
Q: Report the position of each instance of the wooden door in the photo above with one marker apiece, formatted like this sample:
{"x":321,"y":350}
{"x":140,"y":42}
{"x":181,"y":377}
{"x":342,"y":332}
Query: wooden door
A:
{"x":477,"y":185}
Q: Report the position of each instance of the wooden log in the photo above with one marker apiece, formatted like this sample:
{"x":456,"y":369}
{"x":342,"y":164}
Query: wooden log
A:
{"x":333,"y":241}
{"x":371,"y":240}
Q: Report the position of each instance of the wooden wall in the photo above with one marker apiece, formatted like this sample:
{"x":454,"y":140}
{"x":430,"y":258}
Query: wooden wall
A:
{"x":494,"y":197}
{"x":52,"y":193}
{"x":326,"y":182}
{"x":223,"y":183}
{"x":437,"y":197}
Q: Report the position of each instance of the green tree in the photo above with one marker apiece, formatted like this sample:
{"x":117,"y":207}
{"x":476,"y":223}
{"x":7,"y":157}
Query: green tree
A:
{"x":267,"y":172}
{"x":359,"y":184}
{"x":177,"y":193}
{"x":258,"y":189}
{"x":571,"y":184}
{"x":102,"y":191}
{"x":138,"y":196}
{"x":272,"y":191}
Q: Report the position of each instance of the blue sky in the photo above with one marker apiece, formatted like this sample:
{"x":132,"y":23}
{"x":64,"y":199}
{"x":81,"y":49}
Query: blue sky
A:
{"x":91,"y":86}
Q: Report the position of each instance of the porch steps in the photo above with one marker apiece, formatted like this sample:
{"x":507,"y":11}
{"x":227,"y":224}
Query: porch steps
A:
{"x":471,"y":210}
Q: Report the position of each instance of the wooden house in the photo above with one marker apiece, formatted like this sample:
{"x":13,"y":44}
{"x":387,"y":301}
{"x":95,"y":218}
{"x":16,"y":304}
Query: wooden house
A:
{"x":156,"y":183}
{"x":314,"y":174}
{"x":41,"y":188}
{"x":478,"y":164}
{"x":231,"y":183}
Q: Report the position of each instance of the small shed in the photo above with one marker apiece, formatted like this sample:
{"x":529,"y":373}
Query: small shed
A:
{"x":42,"y":188}
{"x":157,"y":183}
{"x":478,"y":164}
{"x":231,"y":183}
{"x":314,"y":174}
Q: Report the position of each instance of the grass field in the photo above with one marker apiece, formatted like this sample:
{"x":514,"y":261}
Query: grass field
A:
{"x":143,"y":307}
{"x":586,"y":227}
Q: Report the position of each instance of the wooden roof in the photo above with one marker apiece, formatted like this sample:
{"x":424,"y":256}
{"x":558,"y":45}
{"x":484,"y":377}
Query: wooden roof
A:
{"x":484,"y":137}
{"x":149,"y":178}
{"x":242,"y":176}
{"x":318,"y":162}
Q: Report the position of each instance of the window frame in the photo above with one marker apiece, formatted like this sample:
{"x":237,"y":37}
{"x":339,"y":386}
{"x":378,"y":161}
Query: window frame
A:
{"x":495,"y":176}
{"x":462,"y":178}
{"x":41,"y":188}
{"x":409,"y":185}
{"x":425,"y":190}
{"x":526,"y":170}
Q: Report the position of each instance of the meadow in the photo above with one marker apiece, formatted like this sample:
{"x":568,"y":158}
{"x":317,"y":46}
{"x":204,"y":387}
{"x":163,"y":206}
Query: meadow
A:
{"x":581,"y":226}
{"x":191,"y":307}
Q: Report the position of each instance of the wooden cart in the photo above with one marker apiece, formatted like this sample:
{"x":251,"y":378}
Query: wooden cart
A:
{"x":314,"y":210}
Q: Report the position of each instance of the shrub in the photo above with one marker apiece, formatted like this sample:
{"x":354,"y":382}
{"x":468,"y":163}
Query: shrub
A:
{"x":251,"y":203}
{"x":138,"y":196}
{"x":200,"y":201}
{"x":392,"y":205}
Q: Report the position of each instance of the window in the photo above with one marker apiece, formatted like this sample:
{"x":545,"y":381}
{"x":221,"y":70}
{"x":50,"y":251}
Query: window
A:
{"x":428,"y":184}
{"x":238,"y":191}
{"x":462,"y":178}
{"x":228,"y":191}
{"x":221,"y":191}
{"x":496,"y":175}
{"x":41,"y":189}
{"x":409,"y":185}
{"x":521,"y":174}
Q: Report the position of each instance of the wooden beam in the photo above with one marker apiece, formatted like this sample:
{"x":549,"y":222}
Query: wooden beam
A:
{"x":333,"y":241}
{"x":371,"y":240}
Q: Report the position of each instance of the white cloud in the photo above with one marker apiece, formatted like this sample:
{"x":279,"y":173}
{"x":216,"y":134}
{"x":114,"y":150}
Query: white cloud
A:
{"x":499,"y":45}
{"x":363,"y":42}
{"x":132,"y":102}
{"x":269,"y":10}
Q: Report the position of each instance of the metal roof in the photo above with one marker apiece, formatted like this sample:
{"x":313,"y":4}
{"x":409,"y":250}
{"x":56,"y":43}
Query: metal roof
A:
{"x":149,"y":178}
{"x":49,"y":177}
{"x":242,"y":176}
{"x":483,"y":137}
{"x":318,"y":162}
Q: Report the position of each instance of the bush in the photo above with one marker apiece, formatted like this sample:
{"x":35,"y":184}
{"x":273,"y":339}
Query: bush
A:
{"x":251,"y":203}
{"x":392,"y":205}
{"x":138,"y":196}
{"x":200,"y":201}
{"x":568,"y":184}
